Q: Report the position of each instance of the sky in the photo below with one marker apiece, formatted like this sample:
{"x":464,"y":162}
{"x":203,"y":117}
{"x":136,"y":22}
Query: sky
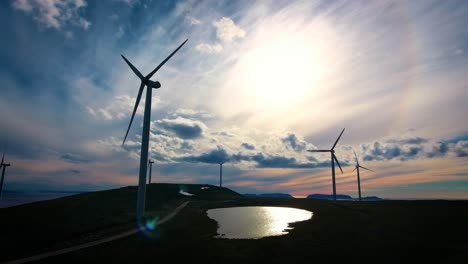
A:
{"x":258,"y":83}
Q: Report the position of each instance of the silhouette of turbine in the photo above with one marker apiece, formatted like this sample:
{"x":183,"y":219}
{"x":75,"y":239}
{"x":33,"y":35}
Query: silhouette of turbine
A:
{"x":145,"y":81}
{"x":150,"y":165}
{"x":358,"y":177}
{"x":3,"y":167}
{"x":333,"y":159}
{"x":221,"y":173}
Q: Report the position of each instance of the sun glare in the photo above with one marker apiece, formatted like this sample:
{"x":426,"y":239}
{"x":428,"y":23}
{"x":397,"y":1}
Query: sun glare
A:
{"x":284,"y":69}
{"x":281,"y":72}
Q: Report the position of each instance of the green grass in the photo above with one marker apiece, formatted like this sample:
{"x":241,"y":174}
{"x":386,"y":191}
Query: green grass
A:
{"x":344,"y":231}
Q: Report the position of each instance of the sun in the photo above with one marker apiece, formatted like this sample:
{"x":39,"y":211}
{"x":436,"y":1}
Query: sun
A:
{"x":283,"y":70}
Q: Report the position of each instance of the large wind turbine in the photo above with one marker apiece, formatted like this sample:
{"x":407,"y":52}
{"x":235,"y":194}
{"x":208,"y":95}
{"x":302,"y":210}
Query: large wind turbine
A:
{"x":3,"y":167}
{"x":145,"y":81}
{"x":358,"y":177}
{"x":333,"y":159}
{"x":150,"y":165}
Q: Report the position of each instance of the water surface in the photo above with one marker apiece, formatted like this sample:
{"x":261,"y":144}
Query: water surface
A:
{"x":256,"y":221}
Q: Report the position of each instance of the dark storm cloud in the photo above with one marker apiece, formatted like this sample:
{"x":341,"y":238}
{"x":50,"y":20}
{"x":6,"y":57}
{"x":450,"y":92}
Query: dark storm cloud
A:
{"x":293,"y":142}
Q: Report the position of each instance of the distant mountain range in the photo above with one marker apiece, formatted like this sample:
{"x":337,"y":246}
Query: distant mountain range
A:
{"x":341,"y":197}
{"x":313,"y":196}
{"x":269,"y":195}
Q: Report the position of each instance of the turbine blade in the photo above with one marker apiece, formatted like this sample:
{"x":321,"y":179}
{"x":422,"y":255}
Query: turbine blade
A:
{"x":337,"y":163}
{"x":365,"y":168}
{"x":142,"y":85}
{"x":164,"y":61}
{"x":354,"y":169}
{"x":355,"y":157}
{"x":318,"y":150}
{"x":134,"y":69}
{"x":338,"y":139}
{"x":3,"y":157}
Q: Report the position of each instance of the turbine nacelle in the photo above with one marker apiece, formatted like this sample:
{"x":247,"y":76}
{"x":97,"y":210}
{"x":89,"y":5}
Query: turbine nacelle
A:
{"x":152,"y":84}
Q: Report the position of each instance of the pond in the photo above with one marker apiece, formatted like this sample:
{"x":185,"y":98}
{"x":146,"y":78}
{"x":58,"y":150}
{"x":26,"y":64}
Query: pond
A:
{"x":252,"y":222}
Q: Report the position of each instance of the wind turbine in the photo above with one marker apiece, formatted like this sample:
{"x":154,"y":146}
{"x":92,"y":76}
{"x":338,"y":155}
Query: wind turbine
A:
{"x":221,"y":173}
{"x":358,"y":177}
{"x":3,"y":167}
{"x":150,"y":165}
{"x":145,"y":81}
{"x":333,"y":159}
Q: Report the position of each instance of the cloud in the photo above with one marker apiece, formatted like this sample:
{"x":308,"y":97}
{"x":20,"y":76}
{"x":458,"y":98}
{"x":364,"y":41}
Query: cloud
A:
{"x":74,"y":158}
{"x":54,"y":13}
{"x":412,"y":148}
{"x":218,"y":155}
{"x":182,"y":127}
{"x":120,"y":32}
{"x":411,"y":140}
{"x":209,"y":48}
{"x":131,"y":3}
{"x":120,"y":107}
{"x":226,"y":30}
{"x":461,"y":149}
{"x":438,"y":149}
{"x":248,"y":146}
{"x":294,"y":142}
{"x":190,"y":113}
{"x":263,"y":160}
{"x":192,"y":20}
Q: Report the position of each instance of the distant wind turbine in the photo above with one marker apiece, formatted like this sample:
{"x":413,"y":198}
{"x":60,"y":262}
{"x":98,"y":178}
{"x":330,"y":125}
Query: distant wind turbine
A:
{"x":145,"y":81}
{"x":150,"y":165}
{"x":358,"y":177}
{"x":221,"y":173}
{"x":3,"y":167}
{"x":333,"y":159}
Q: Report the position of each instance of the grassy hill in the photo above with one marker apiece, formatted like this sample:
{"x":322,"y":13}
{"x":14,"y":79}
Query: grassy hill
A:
{"x":53,"y":224}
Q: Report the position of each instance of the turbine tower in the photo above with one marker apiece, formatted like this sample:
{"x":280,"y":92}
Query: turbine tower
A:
{"x":150,"y":165}
{"x":145,"y":81}
{"x":3,"y":167}
{"x":358,"y":177}
{"x":221,"y":173}
{"x":333,"y":159}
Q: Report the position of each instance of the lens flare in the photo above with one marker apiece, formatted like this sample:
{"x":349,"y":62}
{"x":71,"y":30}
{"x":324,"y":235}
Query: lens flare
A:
{"x":148,"y":227}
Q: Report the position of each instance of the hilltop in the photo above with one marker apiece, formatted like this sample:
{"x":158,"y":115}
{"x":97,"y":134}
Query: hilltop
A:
{"x":52,"y":224}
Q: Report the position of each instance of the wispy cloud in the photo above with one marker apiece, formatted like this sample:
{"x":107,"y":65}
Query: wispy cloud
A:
{"x":209,"y":48}
{"x":54,"y":13}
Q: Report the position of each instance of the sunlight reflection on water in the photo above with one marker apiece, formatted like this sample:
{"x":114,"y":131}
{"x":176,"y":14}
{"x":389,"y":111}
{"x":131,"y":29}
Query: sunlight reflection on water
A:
{"x":256,"y":221}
